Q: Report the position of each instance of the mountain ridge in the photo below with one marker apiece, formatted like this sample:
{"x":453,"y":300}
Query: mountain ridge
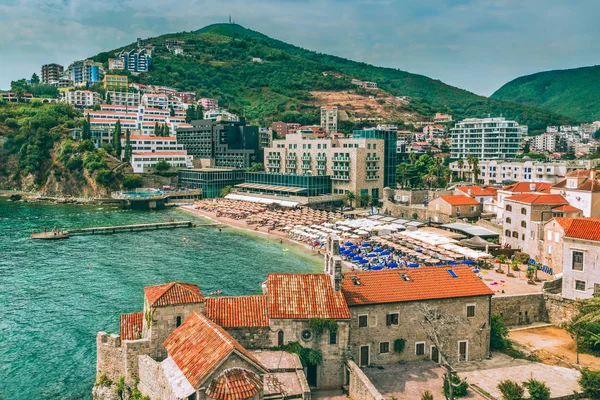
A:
{"x":573,"y":92}
{"x":217,"y":64}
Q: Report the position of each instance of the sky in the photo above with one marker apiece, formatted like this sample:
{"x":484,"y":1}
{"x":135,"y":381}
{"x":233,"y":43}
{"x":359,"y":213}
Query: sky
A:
{"x":476,"y":45}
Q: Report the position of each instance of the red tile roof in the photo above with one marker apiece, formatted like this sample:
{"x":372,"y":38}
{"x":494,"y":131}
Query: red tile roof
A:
{"x":566,"y":208}
{"x":173,"y":293}
{"x":425,"y":284}
{"x":238,"y":312}
{"x":459,"y":200}
{"x":303,"y":296}
{"x":531,"y":198}
{"x":564,"y":222}
{"x":235,"y":384}
{"x":525,"y":187}
{"x":199,"y":345}
{"x":584,"y":228}
{"x":146,"y":137}
{"x":131,"y":326}
{"x":160,"y":153}
{"x":477,"y":190}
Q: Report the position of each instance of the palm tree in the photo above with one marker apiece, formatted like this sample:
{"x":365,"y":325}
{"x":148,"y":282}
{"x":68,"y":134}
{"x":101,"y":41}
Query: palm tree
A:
{"x":460,"y":164}
{"x":403,"y":171}
{"x":475,"y":164}
{"x":226,"y":190}
{"x":412,"y":157}
{"x":350,"y":197}
{"x":430,"y":179}
{"x":438,"y":161}
{"x":448,"y":177}
{"x":501,"y":261}
{"x":365,"y":199}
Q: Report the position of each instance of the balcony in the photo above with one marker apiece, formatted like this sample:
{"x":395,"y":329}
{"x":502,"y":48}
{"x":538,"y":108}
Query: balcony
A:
{"x":290,"y":166}
{"x":291,"y":157}
{"x":321,"y":167}
{"x":305,"y":158}
{"x":347,"y":159}
{"x":340,"y":168}
{"x":305,"y":166}
{"x":273,"y":156}
{"x":273,"y":165}
{"x":321,"y":158}
{"x":373,"y":158}
{"x":373,"y":168}
{"x":372,"y":177}
{"x":340,"y":177}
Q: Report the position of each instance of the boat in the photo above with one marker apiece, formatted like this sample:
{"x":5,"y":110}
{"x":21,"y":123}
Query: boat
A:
{"x":50,"y":235}
{"x":216,"y":292}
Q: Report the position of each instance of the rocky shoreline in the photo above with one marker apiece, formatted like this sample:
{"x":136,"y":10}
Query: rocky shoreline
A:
{"x":18,"y":195}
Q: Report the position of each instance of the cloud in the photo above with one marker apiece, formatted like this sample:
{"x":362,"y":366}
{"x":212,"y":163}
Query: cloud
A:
{"x":471,"y":44}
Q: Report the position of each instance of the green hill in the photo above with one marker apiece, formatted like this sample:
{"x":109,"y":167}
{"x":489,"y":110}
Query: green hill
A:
{"x":572,"y":92}
{"x":218,"y":63}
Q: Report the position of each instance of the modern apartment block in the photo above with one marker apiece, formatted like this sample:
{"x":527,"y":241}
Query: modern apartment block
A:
{"x":354,"y":164}
{"x":329,"y":118}
{"x":116,"y":64}
{"x":136,"y":60}
{"x":221,"y":143}
{"x":85,"y":72}
{"x":521,"y":170}
{"x":486,"y":138}
{"x":81,"y":98}
{"x":51,"y":73}
{"x":283,"y":128}
{"x":129,"y":99}
{"x":550,"y":142}
{"x":115,"y":82}
{"x":208,"y":104}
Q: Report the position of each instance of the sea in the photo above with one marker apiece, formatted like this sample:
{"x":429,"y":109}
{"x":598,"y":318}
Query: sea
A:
{"x":55,"y":296}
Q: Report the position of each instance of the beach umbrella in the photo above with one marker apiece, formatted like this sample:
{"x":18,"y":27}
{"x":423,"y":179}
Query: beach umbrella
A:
{"x":341,"y":249}
{"x":354,"y":246}
{"x":366,"y":245}
{"x":377,"y":268}
{"x":419,"y":250}
{"x":378,"y":250}
{"x":413,"y":265}
{"x":371,"y":255}
{"x":469,"y":262}
{"x":363,"y":261}
{"x":385,"y":253}
{"x":357,"y":258}
{"x":392,"y":265}
{"x":453,"y":263}
{"x":348,"y":244}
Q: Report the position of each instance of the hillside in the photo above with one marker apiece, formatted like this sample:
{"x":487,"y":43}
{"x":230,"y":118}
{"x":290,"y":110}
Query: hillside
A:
{"x":218,"y":63}
{"x":571,"y":92}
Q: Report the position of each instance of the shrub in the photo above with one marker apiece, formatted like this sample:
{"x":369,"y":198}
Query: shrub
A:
{"x":427,"y":395}
{"x":120,"y":386}
{"x":537,"y":390}
{"x":162,"y":165}
{"x":105,"y":177}
{"x":399,"y":345}
{"x":103,"y":380}
{"x":511,"y":390}
{"x":75,"y":163}
{"x":460,"y":387}
{"x":498,"y":333}
{"x":132,"y":181}
{"x":85,"y":145}
{"x":590,"y":382}
{"x":11,"y":123}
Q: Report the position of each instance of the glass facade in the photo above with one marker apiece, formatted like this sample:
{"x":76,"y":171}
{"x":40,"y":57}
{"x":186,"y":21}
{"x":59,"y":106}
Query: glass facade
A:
{"x":390,"y":155}
{"x":288,"y":184}
{"x":211,"y":181}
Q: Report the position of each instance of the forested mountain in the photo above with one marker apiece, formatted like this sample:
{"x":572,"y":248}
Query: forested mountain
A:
{"x":571,"y":92}
{"x":218,"y":62}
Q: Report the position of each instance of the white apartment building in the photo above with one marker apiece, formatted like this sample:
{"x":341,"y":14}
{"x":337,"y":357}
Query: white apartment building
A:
{"x":329,"y":119}
{"x":145,"y":161}
{"x":521,"y":170}
{"x":582,"y":189}
{"x":581,"y":272}
{"x":152,"y":144}
{"x":220,"y":114}
{"x":81,"y":98}
{"x":486,"y":138}
{"x":354,"y":164}
{"x":550,"y":142}
{"x":128,"y":99}
{"x":160,"y":101}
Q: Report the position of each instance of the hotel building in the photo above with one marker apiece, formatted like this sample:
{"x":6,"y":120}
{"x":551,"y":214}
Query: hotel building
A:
{"x":486,"y":139}
{"x":329,"y":118}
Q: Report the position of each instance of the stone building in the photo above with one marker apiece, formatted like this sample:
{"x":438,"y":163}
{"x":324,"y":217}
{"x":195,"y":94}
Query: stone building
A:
{"x":518,"y":188}
{"x":455,"y":207}
{"x":581,"y":188}
{"x":581,"y":273}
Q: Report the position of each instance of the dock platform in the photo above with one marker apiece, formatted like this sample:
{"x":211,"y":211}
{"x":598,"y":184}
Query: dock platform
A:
{"x":131,"y":228}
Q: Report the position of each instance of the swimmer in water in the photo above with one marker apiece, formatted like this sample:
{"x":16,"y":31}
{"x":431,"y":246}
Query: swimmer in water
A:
{"x":82,"y":294}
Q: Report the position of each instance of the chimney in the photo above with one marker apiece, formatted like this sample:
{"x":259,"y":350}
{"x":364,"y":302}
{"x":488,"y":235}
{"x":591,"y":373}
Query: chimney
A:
{"x":532,"y":187}
{"x":592,"y":174}
{"x":469,"y":192}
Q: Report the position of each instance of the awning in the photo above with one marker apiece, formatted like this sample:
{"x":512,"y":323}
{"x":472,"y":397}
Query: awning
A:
{"x":273,"y":188}
{"x":472,"y":230}
{"x":261,"y":200}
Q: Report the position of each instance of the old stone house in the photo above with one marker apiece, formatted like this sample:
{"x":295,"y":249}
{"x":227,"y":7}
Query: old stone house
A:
{"x":479,"y":193}
{"x":581,"y":255}
{"x":518,"y":188}
{"x":581,"y":188}
{"x":445,"y":207}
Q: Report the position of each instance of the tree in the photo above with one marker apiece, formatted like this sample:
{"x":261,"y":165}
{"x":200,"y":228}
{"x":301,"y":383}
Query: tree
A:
{"x":226,"y":190}
{"x":590,"y":383}
{"x":350,"y":197}
{"x":439,"y":328}
{"x":86,"y":130}
{"x":156,"y":129}
{"x":171,"y":111}
{"x":166,"y":131}
{"x":365,"y":199}
{"x":597,"y":134}
{"x":511,"y":390}
{"x":108,"y":99}
{"x":190,"y":114}
{"x":585,"y":326}
{"x":199,"y":112}
{"x":256,"y":167}
{"x":461,"y":164}
{"x":537,"y":390}
{"x":19,"y":88}
{"x":132,"y":181}
{"x":162,"y":166}
{"x":448,"y":177}
{"x":430,"y":179}
{"x":128,"y":149}
{"x":498,"y":333}
{"x":116,"y":139}
{"x":35,"y":79}
{"x":438,"y":162}
{"x":412,"y":157}
{"x":402,"y":171}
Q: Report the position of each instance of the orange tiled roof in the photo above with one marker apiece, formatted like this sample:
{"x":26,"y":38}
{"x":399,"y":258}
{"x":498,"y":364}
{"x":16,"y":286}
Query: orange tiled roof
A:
{"x":584,"y":228}
{"x":303,"y":296}
{"x":459,"y":200}
{"x":425,"y":284}
{"x":131,"y":326}
{"x":234,"y":384}
{"x":199,"y":345}
{"x":169,"y":294}
{"x":238,"y":312}
{"x":566,"y":208}
{"x":531,"y":198}
{"x":525,"y":187}
{"x":477,"y":190}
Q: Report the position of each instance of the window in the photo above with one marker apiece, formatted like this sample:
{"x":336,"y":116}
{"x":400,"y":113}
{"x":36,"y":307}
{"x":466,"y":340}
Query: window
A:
{"x":523,"y":224}
{"x":508,"y":207}
{"x":472,"y":208}
{"x":363,"y":321}
{"x":384,"y":347}
{"x":178,"y":321}
{"x":392,"y":319}
{"x":507,"y":233}
{"x":280,"y":338}
{"x":508,"y":220}
{"x":578,"y":260}
{"x":306,"y":335}
{"x":580,"y":286}
{"x":515,"y":234}
{"x":332,"y":337}
{"x":596,"y":289}
{"x":549,"y":235}
{"x":524,"y":211}
{"x":420,"y":348}
{"x":556,"y":237}
{"x":470,"y":310}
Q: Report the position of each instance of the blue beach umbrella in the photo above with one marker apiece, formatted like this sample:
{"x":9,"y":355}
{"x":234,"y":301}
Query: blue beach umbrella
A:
{"x":371,"y":255}
{"x":357,"y":258}
{"x":363,"y":261}
{"x":341,"y":249}
{"x":469,"y":262}
{"x":419,"y":250}
{"x":377,"y":268}
{"x":392,"y":265}
{"x":348,"y":244}
{"x":453,"y":263}
{"x":378,"y":250}
{"x":353,"y":246}
{"x":413,"y":265}
{"x":385,"y":253}
{"x":366,"y":245}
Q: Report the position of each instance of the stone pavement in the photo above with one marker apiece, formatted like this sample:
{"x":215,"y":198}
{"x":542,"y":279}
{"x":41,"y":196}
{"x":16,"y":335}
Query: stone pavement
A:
{"x":328,"y":395}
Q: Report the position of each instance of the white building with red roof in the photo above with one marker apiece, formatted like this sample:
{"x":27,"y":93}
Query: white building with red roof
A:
{"x":581,"y":188}
{"x":581,"y":272}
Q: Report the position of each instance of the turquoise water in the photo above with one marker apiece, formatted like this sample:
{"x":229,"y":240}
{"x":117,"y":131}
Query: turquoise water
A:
{"x":48,"y":329}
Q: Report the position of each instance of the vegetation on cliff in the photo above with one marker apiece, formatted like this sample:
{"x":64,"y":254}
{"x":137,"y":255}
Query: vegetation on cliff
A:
{"x":571,"y":92}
